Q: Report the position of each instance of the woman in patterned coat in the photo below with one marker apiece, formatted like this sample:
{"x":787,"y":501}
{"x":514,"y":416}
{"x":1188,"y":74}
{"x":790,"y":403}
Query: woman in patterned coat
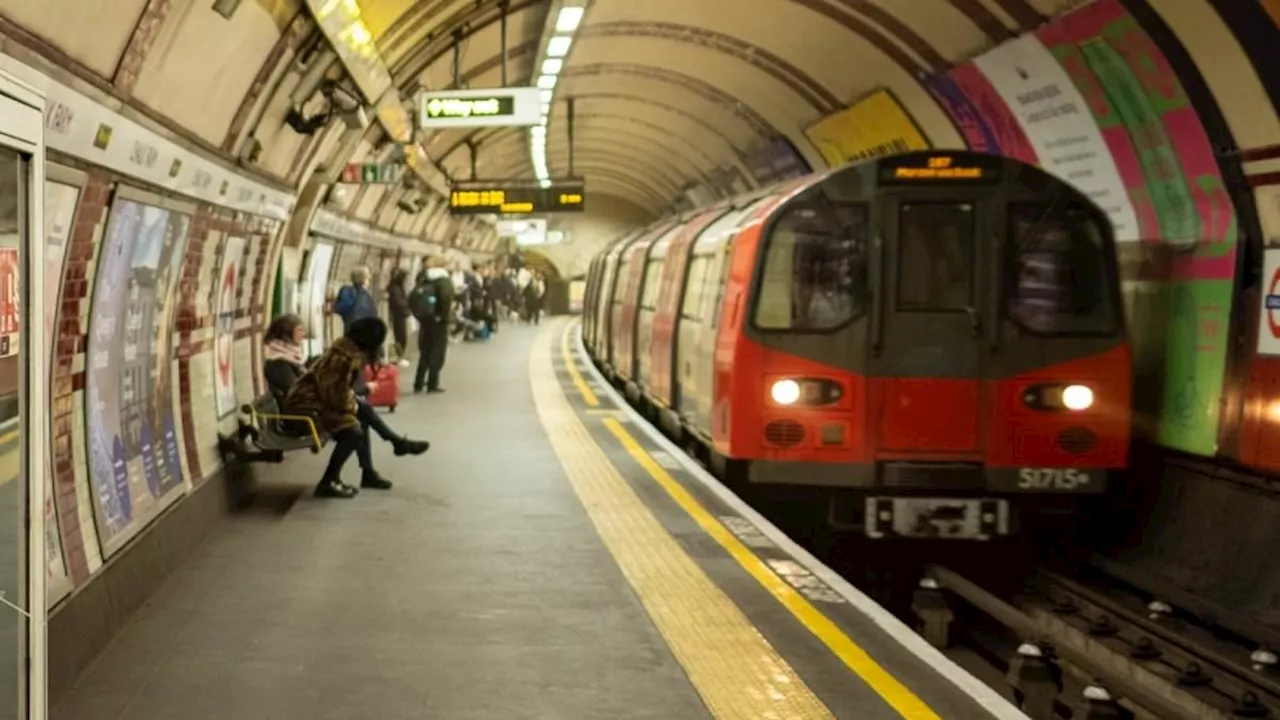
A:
{"x":326,"y":392}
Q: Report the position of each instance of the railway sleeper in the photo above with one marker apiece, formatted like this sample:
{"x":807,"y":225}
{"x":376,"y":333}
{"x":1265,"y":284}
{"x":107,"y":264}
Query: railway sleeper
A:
{"x":1116,"y":685}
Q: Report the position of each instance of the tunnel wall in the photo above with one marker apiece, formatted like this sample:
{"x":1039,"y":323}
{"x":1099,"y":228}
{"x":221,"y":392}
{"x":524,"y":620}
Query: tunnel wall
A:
{"x":160,"y":280}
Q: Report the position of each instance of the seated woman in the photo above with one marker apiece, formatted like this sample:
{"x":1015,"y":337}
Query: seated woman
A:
{"x":284,"y":368}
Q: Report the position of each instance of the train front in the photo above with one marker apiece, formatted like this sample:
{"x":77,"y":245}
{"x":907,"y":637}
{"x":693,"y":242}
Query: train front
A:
{"x":938,"y":341}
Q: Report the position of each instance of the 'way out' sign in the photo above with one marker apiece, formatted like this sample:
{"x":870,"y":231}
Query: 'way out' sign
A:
{"x":516,"y":106}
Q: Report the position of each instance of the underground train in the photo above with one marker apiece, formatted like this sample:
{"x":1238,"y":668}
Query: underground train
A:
{"x":934,"y":342}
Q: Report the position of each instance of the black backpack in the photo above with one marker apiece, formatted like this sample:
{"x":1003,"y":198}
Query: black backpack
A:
{"x":423,"y":302}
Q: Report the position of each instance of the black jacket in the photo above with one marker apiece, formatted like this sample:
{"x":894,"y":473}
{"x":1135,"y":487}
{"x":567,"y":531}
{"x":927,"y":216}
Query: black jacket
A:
{"x":281,"y":376}
{"x":398,"y":298}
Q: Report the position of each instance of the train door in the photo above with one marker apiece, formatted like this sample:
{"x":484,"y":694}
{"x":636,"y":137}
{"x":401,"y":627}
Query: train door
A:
{"x":927,"y":350}
{"x":25,"y":549}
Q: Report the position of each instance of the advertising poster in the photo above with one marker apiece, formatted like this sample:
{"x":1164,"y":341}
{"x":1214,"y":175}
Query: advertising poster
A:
{"x":1056,"y":121}
{"x":313,"y":296}
{"x":133,"y":443}
{"x":10,"y":305}
{"x":874,"y":126}
{"x":59,"y":212}
{"x":224,"y":330}
{"x":981,"y":114}
{"x":1194,"y":213}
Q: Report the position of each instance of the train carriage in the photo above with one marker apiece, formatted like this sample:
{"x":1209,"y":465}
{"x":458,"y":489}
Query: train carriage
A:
{"x":934,"y":339}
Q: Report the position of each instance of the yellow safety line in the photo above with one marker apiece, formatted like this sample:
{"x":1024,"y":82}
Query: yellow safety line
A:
{"x":897,"y":695}
{"x":588,"y":395}
{"x":735,"y":670}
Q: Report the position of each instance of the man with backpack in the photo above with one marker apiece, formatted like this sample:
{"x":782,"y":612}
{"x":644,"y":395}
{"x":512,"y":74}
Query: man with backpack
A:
{"x":354,"y":301}
{"x":432,"y":304}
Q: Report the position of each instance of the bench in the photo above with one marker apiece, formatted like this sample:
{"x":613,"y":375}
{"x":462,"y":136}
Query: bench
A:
{"x":265,"y":433}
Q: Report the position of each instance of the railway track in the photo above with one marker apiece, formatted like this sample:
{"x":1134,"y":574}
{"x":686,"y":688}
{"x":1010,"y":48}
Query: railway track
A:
{"x":1091,"y":645}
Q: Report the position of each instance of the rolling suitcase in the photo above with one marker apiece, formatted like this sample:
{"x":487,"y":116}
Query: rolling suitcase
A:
{"x":387,"y":391}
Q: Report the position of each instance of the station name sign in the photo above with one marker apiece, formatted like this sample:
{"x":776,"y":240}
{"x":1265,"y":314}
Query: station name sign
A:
{"x":516,"y":199}
{"x":939,"y":168}
{"x":516,"y":106}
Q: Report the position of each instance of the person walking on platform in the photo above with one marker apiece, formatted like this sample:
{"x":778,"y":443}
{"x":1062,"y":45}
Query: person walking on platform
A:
{"x":398,"y":304}
{"x":354,"y":301}
{"x":533,"y":299}
{"x":432,"y":304}
{"x":326,"y":392}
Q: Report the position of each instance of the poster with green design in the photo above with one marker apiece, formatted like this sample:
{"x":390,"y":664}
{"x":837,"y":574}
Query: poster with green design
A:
{"x":1170,"y":171}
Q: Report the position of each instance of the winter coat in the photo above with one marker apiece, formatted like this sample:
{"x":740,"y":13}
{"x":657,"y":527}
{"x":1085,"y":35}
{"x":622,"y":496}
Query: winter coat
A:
{"x":325,"y":392}
{"x":398,"y":296}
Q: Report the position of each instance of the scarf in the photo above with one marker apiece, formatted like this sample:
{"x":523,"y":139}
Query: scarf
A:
{"x":282,"y":350}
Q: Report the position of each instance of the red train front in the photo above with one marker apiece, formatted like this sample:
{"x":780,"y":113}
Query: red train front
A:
{"x":935,"y":339}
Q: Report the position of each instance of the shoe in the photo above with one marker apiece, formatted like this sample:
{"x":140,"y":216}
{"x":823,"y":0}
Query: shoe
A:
{"x":335,"y":489}
{"x":405,"y":446}
{"x":435,"y":390}
{"x":375,"y":482}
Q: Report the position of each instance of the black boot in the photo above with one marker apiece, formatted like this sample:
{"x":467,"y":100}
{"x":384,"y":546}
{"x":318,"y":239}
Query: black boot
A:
{"x":335,"y":488}
{"x":405,"y":446}
{"x":375,"y":481}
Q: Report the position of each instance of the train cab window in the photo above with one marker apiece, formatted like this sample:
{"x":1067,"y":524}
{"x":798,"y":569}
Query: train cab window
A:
{"x":935,"y":257}
{"x":815,"y":268}
{"x":1057,"y":277}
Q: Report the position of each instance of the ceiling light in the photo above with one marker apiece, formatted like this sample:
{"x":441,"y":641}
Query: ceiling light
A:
{"x":546,"y":82}
{"x":558,"y":46}
{"x":552,"y":66}
{"x":546,"y":109}
{"x":546,"y":96}
{"x":569,"y":19}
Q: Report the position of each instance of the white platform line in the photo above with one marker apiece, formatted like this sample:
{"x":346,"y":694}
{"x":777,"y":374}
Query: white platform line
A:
{"x":911,"y":641}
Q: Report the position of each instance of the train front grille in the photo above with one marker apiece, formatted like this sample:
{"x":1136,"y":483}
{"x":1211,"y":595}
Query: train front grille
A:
{"x":784,"y":433}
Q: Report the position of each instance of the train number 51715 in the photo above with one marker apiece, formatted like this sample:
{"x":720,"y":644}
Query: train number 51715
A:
{"x":1052,"y":479}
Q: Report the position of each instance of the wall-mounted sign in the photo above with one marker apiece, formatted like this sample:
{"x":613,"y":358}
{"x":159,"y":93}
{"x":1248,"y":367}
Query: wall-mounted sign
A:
{"x":515,"y":106}
{"x":498,"y":199}
{"x":372,"y":173}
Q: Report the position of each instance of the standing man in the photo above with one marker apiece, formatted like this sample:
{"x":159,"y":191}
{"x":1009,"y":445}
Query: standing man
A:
{"x":432,"y":304}
{"x":354,"y":301}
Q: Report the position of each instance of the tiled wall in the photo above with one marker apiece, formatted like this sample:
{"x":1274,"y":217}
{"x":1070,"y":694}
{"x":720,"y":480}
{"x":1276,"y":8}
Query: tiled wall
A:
{"x":194,"y":403}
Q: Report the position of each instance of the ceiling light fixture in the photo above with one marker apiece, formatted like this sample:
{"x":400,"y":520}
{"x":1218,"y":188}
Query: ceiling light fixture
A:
{"x":559,"y":39}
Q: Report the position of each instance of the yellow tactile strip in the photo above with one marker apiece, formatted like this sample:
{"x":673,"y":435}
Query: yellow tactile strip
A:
{"x":731,"y":665}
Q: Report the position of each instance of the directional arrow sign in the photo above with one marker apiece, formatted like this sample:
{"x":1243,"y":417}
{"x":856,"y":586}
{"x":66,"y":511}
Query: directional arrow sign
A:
{"x":518,"y":106}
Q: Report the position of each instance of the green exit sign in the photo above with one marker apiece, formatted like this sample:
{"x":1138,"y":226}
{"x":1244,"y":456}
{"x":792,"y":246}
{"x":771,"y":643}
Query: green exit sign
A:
{"x":372,"y":173}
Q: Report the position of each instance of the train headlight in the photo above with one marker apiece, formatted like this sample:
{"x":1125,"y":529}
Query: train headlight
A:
{"x":1077,"y":397}
{"x":785,"y":392}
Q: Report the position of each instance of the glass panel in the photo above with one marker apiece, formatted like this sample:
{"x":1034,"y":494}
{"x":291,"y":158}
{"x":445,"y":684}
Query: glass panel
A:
{"x":815,"y":270}
{"x":1057,"y":281}
{"x":935,"y":257}
{"x":13,"y":491}
{"x":652,"y":280}
{"x":693,"y":287}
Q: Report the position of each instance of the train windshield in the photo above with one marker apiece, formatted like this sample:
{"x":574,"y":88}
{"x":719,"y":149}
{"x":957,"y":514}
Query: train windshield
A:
{"x":815,"y":268}
{"x":1058,"y":280}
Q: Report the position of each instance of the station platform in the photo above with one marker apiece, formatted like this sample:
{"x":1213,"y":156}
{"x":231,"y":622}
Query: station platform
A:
{"x":550,"y":557}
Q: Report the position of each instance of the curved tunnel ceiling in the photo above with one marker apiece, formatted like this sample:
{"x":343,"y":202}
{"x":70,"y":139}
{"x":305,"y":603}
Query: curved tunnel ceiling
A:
{"x":670,"y":93}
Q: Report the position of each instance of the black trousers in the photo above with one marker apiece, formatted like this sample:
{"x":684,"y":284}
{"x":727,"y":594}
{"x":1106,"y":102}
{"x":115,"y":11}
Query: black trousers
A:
{"x":433,"y":345}
{"x":352,"y":441}
{"x":400,"y":331}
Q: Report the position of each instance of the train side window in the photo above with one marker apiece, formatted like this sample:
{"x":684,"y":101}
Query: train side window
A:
{"x":720,"y":287}
{"x":935,"y":257}
{"x":652,"y":280}
{"x":815,"y":267}
{"x":693,"y":288}
{"x":1056,"y":274}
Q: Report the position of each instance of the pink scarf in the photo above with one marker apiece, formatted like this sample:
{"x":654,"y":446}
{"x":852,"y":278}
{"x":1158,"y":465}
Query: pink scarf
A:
{"x":283,"y":350}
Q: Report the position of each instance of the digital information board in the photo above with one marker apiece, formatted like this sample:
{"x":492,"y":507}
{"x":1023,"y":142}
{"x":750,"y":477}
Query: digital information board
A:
{"x":494,"y":107}
{"x":499,"y":199}
{"x":915,"y":168}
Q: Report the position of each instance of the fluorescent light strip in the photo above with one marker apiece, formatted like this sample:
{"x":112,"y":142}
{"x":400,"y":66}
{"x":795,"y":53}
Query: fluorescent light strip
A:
{"x":567,"y":22}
